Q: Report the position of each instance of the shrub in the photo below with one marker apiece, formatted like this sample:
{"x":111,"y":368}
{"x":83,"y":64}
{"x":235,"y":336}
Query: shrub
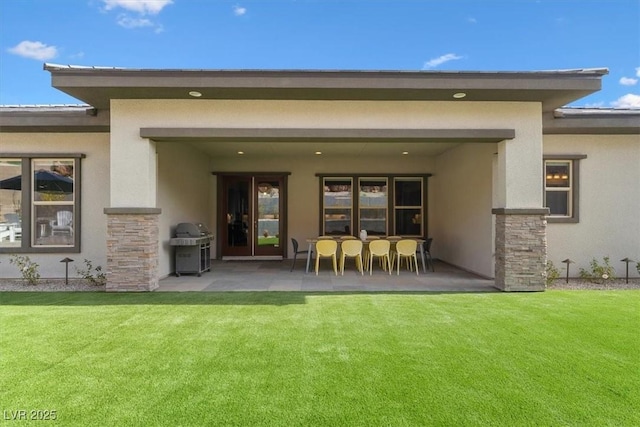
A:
{"x":552,"y":272}
{"x":95,"y":276}
{"x":598,"y":273}
{"x":28,"y":269}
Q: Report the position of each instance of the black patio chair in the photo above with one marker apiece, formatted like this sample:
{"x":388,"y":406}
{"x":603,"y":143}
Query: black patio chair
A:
{"x":297,"y":251}
{"x":427,"y":252}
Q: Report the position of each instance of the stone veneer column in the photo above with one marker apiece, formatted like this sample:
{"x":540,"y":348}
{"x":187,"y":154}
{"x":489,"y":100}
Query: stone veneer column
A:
{"x":521,"y":249}
{"x":132,"y":249}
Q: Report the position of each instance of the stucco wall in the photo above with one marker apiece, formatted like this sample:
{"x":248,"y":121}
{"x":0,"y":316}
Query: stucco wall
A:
{"x":95,"y":196}
{"x":128,"y":116}
{"x":185,"y":194}
{"x":609,"y":202}
{"x":461,"y":213}
{"x":303,"y":184}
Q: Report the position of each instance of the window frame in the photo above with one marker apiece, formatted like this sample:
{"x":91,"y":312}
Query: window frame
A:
{"x":574,"y":186}
{"x":390,"y":208}
{"x":28,"y":203}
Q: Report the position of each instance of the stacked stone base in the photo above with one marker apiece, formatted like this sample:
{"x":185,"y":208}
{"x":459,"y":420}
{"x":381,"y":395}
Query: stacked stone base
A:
{"x":521,"y":249}
{"x":132,"y":249}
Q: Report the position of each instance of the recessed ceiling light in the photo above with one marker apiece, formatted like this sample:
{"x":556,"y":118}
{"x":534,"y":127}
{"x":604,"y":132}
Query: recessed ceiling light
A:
{"x":318,"y":152}
{"x":459,"y":95}
{"x":195,"y":94}
{"x":405,"y":152}
{"x":241,"y":152}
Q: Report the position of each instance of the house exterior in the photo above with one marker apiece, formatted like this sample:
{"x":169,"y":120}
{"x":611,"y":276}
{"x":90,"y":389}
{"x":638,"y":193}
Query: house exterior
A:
{"x":489,"y":164}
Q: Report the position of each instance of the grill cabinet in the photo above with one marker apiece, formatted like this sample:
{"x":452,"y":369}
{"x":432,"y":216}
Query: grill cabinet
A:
{"x":193,"y":248}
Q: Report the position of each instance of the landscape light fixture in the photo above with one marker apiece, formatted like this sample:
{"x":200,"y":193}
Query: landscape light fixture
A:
{"x":627,"y":261}
{"x":567,"y":261}
{"x":66,"y":269}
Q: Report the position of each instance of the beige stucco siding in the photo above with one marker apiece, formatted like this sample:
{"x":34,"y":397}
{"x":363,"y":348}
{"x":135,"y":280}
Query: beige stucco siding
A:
{"x":473,"y":253}
{"x":95,"y":195}
{"x":185,"y":194}
{"x":460,"y":214}
{"x":609,"y":202}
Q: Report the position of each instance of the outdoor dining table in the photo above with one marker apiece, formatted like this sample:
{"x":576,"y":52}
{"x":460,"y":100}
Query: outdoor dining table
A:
{"x":313,"y":240}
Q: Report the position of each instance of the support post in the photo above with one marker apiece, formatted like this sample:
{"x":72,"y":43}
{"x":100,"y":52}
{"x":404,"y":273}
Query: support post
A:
{"x":521,"y":249}
{"x":132,"y":249}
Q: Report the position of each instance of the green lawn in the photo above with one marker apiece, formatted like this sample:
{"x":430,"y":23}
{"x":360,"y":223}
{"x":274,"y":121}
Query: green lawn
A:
{"x":558,"y":358}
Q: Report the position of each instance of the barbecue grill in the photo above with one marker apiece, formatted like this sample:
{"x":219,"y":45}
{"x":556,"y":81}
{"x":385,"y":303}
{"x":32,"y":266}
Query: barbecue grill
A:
{"x":193,"y":248}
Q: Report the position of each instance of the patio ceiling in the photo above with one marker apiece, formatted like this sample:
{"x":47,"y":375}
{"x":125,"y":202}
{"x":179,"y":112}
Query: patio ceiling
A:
{"x":266,"y":150}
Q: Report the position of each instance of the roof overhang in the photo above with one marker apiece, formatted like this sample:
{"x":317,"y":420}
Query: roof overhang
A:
{"x":98,"y":86}
{"x":55,"y":119}
{"x":574,"y":121}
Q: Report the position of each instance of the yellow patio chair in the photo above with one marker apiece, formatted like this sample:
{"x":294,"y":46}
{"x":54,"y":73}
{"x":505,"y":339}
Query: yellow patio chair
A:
{"x":407,"y":249}
{"x":351,"y":248}
{"x":381,"y":249}
{"x":327,"y":249}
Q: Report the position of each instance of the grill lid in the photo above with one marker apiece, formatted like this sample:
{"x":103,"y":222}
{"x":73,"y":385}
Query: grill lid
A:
{"x":188,"y":229}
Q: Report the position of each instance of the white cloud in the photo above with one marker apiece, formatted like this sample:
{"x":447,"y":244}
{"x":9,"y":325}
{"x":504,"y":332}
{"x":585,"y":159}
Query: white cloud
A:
{"x":628,"y":81}
{"x":239,"y":11}
{"x":629,"y":100}
{"x":432,"y":63}
{"x":638,"y":72}
{"x":34,"y":50}
{"x":472,"y":20}
{"x":143,"y":7}
{"x":128,"y":22}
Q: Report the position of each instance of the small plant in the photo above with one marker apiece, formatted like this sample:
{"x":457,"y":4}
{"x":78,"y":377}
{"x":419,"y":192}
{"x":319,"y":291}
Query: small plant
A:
{"x":95,"y":276}
{"x":552,"y":272}
{"x":598,"y":273}
{"x":638,"y":267}
{"x":28,"y":268}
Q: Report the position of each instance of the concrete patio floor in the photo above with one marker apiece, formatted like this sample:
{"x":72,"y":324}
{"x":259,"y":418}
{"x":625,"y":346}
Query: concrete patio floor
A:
{"x":275,"y":276}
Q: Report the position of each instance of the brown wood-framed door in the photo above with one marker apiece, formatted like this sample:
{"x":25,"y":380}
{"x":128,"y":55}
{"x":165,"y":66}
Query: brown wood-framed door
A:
{"x":253,"y":215}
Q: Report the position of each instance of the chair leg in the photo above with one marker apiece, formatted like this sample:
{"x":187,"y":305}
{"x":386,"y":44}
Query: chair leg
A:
{"x":342,"y":257}
{"x":293,"y":264}
{"x":335,"y":262}
{"x":317,"y":263}
{"x":415,"y":261}
{"x":430,"y":262}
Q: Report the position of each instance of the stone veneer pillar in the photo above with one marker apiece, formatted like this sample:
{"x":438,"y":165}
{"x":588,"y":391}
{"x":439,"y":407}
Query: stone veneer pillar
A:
{"x":521,"y":249}
{"x":132,"y":249}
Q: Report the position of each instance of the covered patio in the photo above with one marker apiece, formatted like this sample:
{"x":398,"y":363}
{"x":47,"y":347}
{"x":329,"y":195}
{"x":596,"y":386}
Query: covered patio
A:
{"x":276,"y":276}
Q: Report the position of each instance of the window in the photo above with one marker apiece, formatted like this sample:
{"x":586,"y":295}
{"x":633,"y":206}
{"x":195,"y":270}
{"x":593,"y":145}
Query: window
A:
{"x":337,"y":206}
{"x":382,"y":205}
{"x":561,"y":187}
{"x":39,"y":204}
{"x":10,"y":203}
{"x":373,"y":203}
{"x":408,"y":207}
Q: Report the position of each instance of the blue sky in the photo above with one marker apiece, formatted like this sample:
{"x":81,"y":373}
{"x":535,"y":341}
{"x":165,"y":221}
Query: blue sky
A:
{"x":469,"y":35}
